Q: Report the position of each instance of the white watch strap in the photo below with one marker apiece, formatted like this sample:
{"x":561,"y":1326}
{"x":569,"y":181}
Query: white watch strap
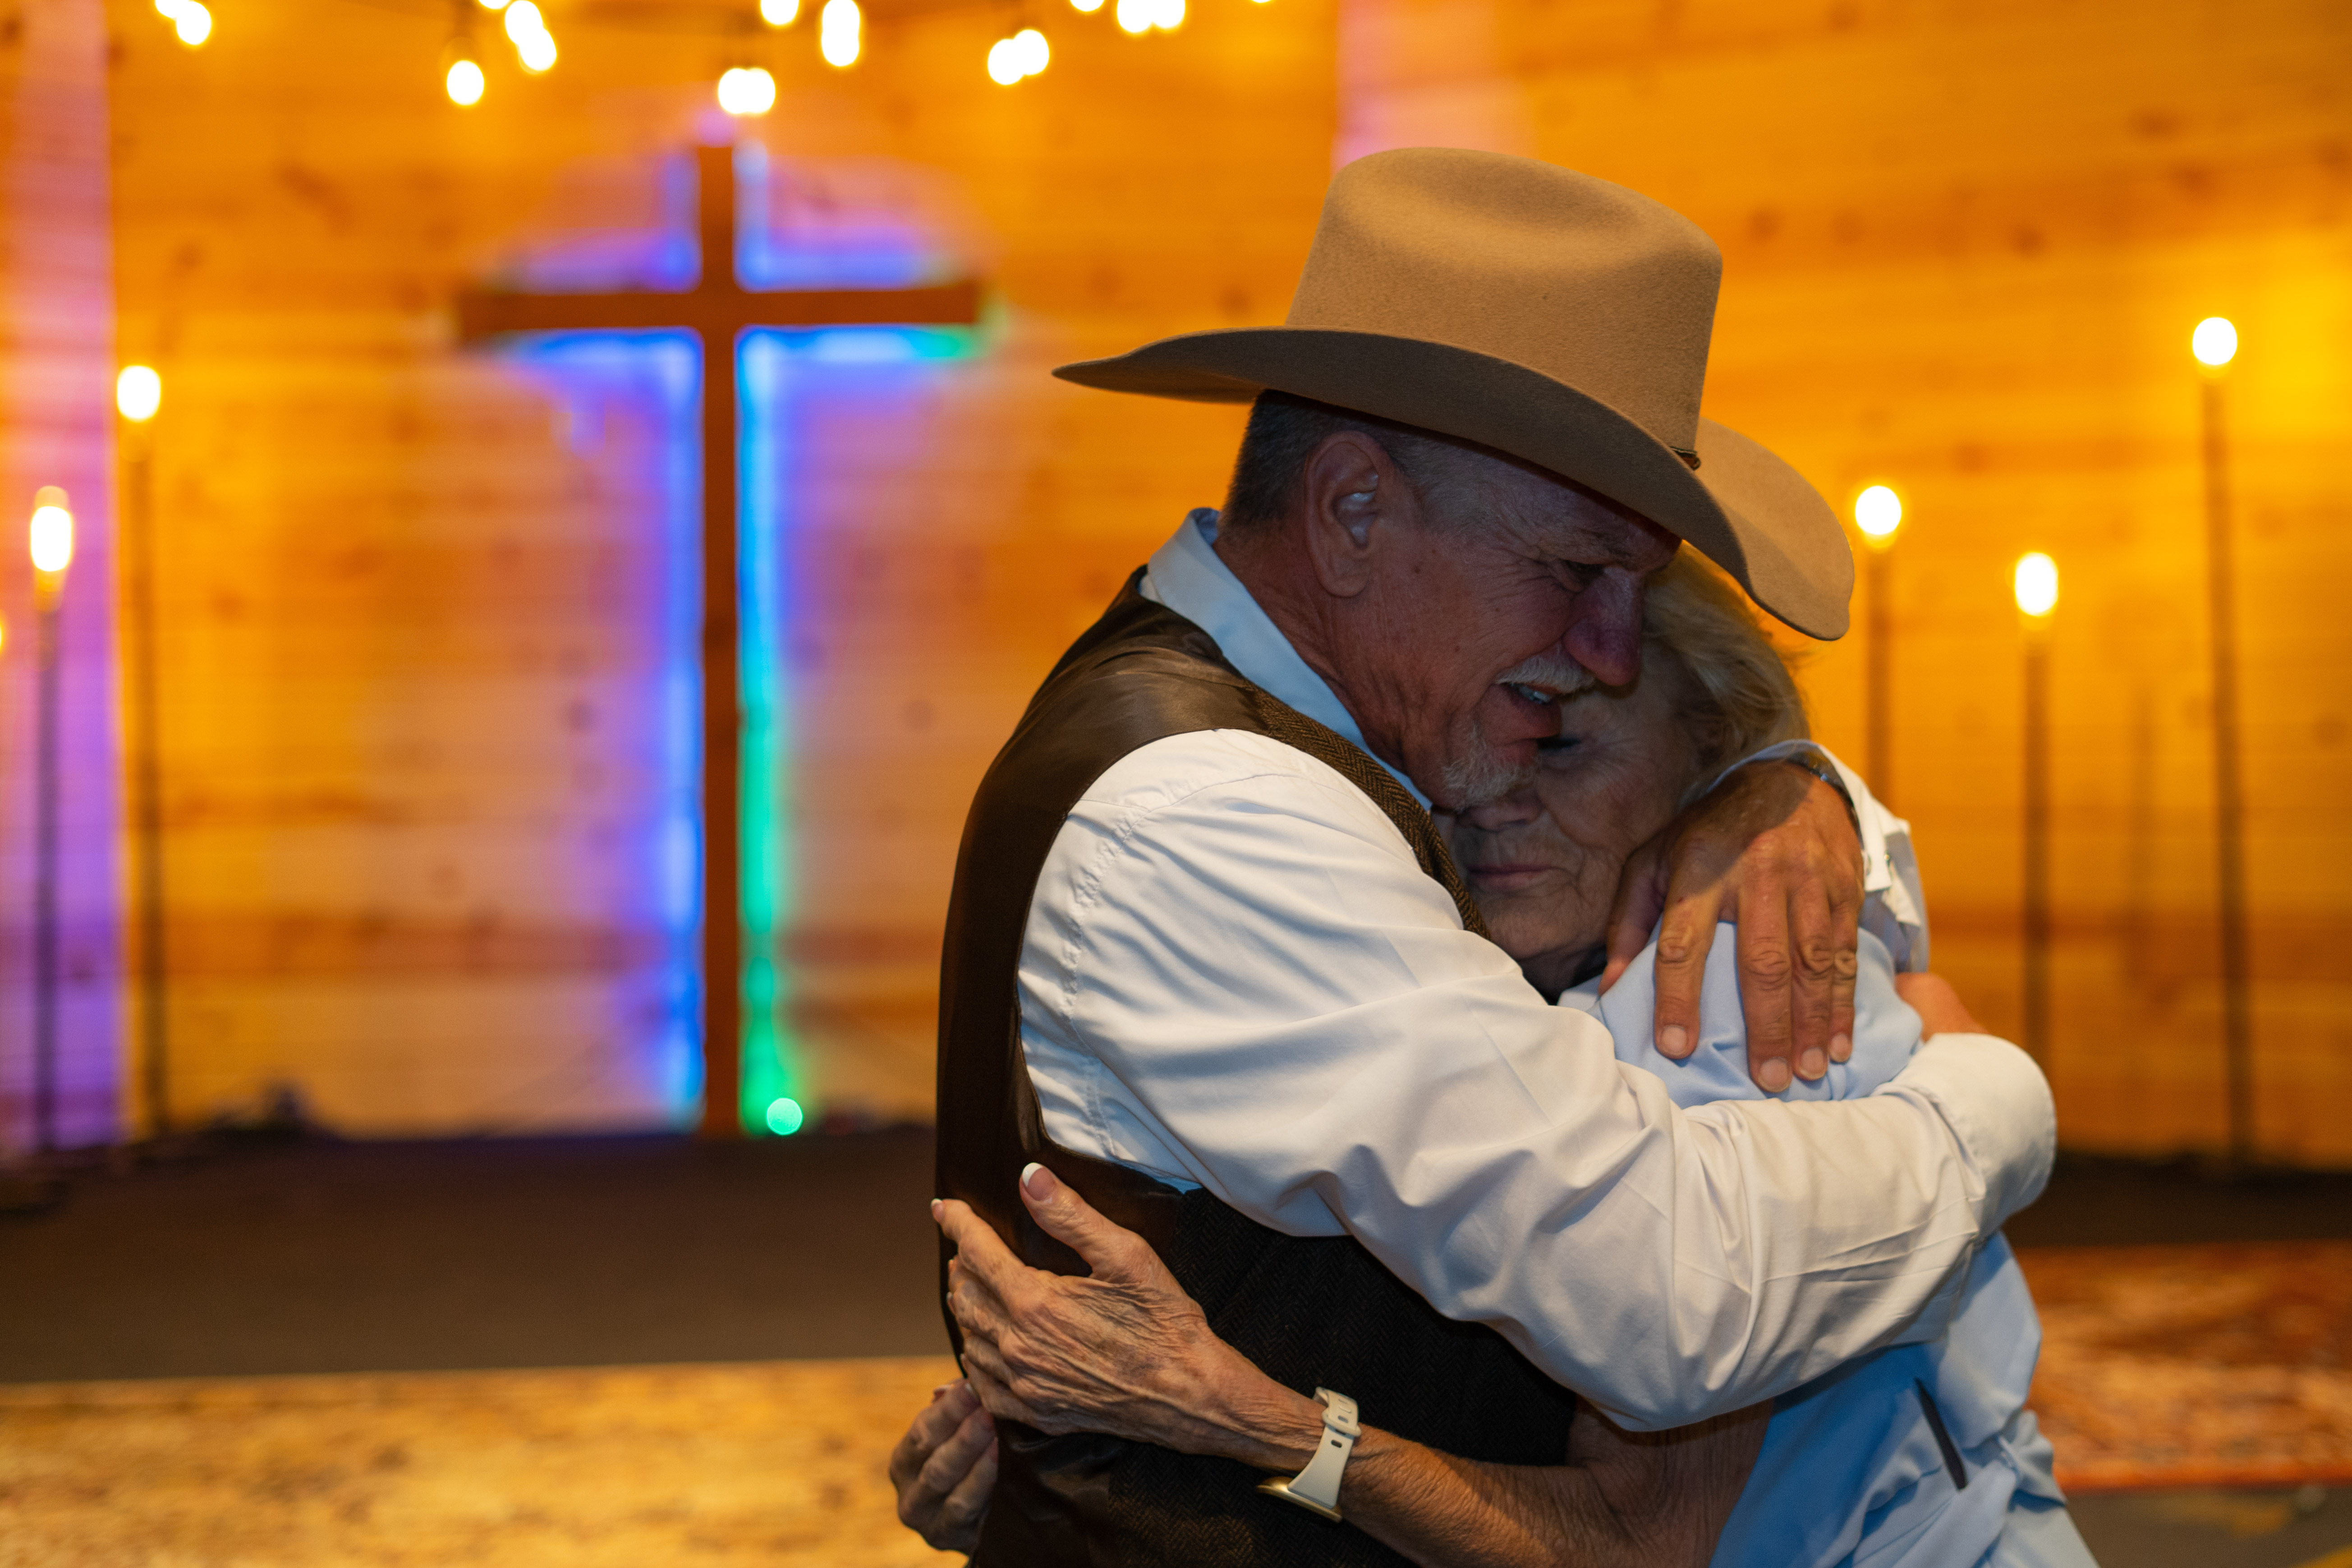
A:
{"x":1316,"y":1488}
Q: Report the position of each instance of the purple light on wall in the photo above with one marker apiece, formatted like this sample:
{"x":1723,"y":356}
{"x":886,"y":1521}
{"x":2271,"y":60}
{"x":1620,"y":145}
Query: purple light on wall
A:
{"x":56,"y":427}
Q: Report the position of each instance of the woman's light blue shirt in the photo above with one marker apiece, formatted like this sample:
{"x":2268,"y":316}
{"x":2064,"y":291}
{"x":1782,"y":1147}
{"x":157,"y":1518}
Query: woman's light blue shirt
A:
{"x":1850,"y":1471}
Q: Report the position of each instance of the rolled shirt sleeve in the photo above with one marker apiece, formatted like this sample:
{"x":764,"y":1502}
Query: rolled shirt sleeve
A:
{"x":1235,"y":974}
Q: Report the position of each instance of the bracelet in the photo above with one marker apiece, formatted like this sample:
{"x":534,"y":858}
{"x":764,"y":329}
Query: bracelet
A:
{"x":1816,"y":762}
{"x":1316,"y":1488}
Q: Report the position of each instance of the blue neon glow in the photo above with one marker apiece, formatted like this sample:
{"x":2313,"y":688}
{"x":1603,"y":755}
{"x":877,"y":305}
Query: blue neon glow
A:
{"x":629,"y":406}
{"x":628,"y":403}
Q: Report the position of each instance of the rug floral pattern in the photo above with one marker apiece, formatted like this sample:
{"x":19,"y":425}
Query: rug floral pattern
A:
{"x":2196,"y":1366}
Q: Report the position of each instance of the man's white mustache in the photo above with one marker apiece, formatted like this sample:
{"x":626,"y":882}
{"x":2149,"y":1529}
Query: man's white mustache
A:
{"x":1547,"y":677}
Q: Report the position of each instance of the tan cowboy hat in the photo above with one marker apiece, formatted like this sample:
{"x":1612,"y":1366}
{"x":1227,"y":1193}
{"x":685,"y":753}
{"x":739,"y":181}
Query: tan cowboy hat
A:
{"x":1554,"y":317}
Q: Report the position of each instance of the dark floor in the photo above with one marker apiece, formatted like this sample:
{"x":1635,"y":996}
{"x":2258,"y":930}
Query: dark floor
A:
{"x":325,"y":1256}
{"x":314,"y":1256}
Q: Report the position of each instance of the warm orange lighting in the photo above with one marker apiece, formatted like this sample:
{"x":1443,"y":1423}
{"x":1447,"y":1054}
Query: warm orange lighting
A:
{"x":779,"y":12}
{"x":2036,"y":584}
{"x":51,"y":535}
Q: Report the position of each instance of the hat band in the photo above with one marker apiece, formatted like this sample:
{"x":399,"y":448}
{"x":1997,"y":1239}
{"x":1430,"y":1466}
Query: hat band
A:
{"x":1685,"y":454}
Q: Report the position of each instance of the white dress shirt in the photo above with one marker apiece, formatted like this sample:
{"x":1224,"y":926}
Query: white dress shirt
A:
{"x":1235,"y":974}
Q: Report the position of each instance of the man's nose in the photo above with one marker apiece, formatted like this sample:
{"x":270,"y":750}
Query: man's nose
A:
{"x":1514,"y":810}
{"x":1605,"y":634}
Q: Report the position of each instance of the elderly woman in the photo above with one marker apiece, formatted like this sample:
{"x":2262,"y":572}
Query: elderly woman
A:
{"x":1921,"y":1454}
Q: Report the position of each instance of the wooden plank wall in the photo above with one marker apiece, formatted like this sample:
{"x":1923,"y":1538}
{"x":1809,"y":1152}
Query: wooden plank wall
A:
{"x":1965,"y":246}
{"x":394,"y":577}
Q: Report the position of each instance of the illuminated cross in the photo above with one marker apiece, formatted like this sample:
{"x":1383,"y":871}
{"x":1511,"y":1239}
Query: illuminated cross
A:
{"x":720,"y":310}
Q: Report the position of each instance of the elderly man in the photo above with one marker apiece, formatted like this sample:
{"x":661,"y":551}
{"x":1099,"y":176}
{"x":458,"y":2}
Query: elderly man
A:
{"x":1208,"y":961}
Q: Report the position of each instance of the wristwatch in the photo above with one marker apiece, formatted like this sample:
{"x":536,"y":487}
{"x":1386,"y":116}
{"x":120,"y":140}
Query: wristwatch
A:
{"x":1816,"y":762}
{"x":1316,"y":1488}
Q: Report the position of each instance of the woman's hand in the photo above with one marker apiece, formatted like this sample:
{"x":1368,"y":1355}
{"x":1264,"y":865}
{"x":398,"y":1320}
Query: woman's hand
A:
{"x":1940,"y":1009}
{"x":1124,"y":1351}
{"x":945,"y":1468}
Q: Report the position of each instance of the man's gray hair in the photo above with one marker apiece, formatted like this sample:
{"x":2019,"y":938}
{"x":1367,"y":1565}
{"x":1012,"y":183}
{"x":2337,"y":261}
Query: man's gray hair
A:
{"x":1742,"y":696}
{"x":1283,"y":433}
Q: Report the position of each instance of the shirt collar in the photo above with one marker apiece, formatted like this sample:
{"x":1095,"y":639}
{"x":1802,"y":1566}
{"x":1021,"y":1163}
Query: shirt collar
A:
{"x":1187,"y":575}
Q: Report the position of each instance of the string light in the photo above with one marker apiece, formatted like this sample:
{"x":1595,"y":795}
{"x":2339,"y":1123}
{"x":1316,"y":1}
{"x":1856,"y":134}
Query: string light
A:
{"x":2214,"y":342}
{"x":534,"y":44}
{"x":1168,"y":15}
{"x":747,"y":90}
{"x":1088,"y":6}
{"x":2036,"y":584}
{"x":464,"y":83}
{"x":1135,"y":15}
{"x":51,"y":535}
{"x":838,"y":27}
{"x":494,"y":5}
{"x":1024,"y":54}
{"x":190,"y":20}
{"x":779,"y":12}
{"x":138,"y":392}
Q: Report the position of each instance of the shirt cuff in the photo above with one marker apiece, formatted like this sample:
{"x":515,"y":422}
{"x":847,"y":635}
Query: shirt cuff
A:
{"x":1997,"y":1105}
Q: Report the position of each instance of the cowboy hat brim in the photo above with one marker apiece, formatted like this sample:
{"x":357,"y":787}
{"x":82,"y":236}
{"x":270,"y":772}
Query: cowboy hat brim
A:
{"x":1744,"y":509}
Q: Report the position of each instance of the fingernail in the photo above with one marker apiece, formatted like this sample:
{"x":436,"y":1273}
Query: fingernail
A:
{"x":1774,"y":1076}
{"x":1812,"y":1063}
{"x":936,"y":1207}
{"x":1674,"y":1039}
{"x":1034,"y":1187}
{"x":1841,"y":1048}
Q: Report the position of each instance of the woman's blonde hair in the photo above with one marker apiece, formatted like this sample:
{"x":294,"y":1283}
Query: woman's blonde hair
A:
{"x":1741,"y":695}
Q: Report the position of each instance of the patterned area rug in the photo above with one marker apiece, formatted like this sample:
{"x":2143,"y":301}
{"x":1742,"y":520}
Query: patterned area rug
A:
{"x":719,"y":1466}
{"x":2162,"y":1367}
{"x":2196,"y":1366}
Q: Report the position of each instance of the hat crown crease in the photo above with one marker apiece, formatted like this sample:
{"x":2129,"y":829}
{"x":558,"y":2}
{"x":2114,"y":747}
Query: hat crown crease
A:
{"x":1584,"y":281}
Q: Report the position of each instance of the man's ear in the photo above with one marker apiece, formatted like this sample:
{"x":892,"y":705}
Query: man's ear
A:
{"x":1353,"y":492}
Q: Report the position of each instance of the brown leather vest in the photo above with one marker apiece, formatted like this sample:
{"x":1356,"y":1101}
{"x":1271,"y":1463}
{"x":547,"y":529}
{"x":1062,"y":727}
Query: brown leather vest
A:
{"x":1307,"y":1310}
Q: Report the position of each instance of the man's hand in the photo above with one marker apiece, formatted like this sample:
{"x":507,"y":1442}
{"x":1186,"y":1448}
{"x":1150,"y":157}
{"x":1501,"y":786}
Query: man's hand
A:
{"x":1124,"y":1351}
{"x":945,"y":1469}
{"x":1772,"y":850}
{"x":1940,"y":1009}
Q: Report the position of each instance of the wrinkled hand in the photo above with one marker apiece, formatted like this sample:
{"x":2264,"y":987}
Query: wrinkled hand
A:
{"x":945,"y":1469}
{"x":1940,"y":1009}
{"x":1123,"y":1352}
{"x":1772,"y":850}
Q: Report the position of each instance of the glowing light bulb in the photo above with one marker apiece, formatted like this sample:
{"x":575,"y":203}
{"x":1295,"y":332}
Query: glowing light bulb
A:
{"x":464,"y":83}
{"x":779,"y":12}
{"x":1168,"y":15}
{"x":51,"y":535}
{"x":1001,"y":67}
{"x":537,"y":52}
{"x":1030,"y":51}
{"x":2036,"y":584}
{"x":785,"y":1117}
{"x":747,"y":90}
{"x":1135,"y":15}
{"x":2214,"y":342}
{"x":193,"y":23}
{"x":494,"y":5}
{"x":1088,"y":6}
{"x":523,"y":19}
{"x":1878,"y":512}
{"x":838,"y":27}
{"x":138,"y":392}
